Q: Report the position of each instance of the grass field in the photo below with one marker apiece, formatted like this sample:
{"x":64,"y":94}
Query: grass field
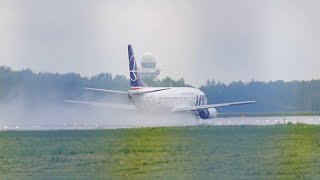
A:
{"x":215,"y":152}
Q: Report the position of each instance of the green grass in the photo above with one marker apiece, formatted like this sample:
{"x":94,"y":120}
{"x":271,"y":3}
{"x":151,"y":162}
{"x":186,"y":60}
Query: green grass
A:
{"x":224,"y":152}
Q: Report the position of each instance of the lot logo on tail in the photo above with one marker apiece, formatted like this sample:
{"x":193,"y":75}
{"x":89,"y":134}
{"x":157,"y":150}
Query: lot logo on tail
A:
{"x":133,"y":69}
{"x":135,"y":80}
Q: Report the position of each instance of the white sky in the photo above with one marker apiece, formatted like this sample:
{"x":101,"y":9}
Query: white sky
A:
{"x":224,"y":40}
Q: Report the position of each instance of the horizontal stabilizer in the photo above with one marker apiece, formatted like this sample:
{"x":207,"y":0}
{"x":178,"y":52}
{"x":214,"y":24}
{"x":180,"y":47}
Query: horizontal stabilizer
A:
{"x":106,"y":90}
{"x":147,"y":90}
{"x":197,"y":108}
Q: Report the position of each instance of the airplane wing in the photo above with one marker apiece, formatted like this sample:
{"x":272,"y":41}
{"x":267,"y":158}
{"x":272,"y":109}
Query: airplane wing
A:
{"x":196,"y":108}
{"x":108,"y":105}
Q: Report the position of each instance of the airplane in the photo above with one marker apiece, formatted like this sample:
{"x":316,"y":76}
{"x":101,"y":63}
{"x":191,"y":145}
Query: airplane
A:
{"x":161,"y":99}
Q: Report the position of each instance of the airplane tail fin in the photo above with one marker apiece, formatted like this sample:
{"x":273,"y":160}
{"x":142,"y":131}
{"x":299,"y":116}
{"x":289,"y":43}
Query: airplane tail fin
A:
{"x":135,"y":80}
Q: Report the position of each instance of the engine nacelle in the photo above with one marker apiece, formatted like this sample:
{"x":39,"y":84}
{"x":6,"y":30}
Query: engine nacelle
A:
{"x":208,"y":113}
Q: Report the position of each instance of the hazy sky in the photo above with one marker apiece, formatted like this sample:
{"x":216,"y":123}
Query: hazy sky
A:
{"x":196,"y":39}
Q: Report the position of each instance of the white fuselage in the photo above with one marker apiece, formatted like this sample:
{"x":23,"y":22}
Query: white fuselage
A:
{"x":175,"y":97}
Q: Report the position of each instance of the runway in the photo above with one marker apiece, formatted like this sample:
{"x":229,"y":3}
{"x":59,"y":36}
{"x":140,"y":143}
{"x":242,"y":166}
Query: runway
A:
{"x":81,"y":125}
{"x":264,"y":120}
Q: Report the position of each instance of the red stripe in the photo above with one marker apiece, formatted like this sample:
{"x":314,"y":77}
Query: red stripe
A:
{"x":135,"y":88}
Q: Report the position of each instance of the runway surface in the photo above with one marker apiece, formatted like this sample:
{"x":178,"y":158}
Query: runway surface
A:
{"x":131,"y":123}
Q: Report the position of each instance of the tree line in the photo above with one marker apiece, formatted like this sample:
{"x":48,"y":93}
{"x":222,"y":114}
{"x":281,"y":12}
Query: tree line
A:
{"x":273,"y":96}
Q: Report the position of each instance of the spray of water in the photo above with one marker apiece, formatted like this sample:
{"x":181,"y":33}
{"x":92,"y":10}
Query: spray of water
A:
{"x":53,"y":116}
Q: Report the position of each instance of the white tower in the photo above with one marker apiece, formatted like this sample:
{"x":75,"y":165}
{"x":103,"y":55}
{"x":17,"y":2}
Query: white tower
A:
{"x":148,"y":68}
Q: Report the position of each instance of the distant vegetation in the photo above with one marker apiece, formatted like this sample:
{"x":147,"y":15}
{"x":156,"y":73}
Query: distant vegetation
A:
{"x":208,"y":152}
{"x":278,"y":96}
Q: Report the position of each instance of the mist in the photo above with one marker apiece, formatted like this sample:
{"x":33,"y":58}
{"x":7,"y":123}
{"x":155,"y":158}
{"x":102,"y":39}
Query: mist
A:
{"x":198,"y":40}
{"x":19,"y":115}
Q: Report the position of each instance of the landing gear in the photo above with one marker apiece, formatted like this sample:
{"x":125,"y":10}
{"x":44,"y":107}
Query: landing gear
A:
{"x":198,"y":118}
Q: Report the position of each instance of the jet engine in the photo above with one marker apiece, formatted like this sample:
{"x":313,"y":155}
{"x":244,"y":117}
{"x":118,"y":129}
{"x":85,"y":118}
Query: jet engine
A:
{"x":208,"y":113}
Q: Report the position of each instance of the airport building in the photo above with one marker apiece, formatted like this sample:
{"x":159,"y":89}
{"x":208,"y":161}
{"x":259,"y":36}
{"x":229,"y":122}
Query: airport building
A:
{"x":148,"y":68}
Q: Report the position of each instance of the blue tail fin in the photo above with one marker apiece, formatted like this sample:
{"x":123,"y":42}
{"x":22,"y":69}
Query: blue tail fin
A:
{"x":135,"y":80}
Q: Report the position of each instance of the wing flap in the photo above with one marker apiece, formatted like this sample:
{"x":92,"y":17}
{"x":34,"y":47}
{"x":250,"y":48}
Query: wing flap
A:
{"x":196,"y":108}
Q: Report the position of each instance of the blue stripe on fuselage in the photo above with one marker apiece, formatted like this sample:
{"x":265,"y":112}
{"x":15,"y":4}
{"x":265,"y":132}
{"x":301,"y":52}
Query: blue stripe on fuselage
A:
{"x":197,"y":100}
